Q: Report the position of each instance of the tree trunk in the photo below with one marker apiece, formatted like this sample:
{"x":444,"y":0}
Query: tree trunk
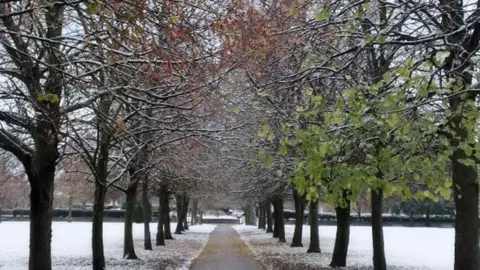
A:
{"x":160,"y":237}
{"x":274,"y":217}
{"x":147,"y":215}
{"x":461,"y":119}
{"x":186,"y":201}
{"x":268,"y":213}
{"x":180,"y":202}
{"x":314,"y":236}
{"x":249,"y":214}
{"x":261,"y":217}
{"x":299,"y":209}
{"x":280,"y":220}
{"x":128,"y":247}
{"x":427,"y":218}
{"x":201,"y":217}
{"x":340,"y":250}
{"x":70,"y":202}
{"x":193,"y":215}
{"x":466,"y":220}
{"x":41,"y":200}
{"x":166,"y":216}
{"x":379,"y":261}
{"x":98,"y":257}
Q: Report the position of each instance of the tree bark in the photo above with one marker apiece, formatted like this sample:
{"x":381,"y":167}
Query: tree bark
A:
{"x":98,"y":256}
{"x":299,"y":209}
{"x":193,"y":215}
{"x":427,"y":218}
{"x":147,"y":214}
{"x":249,"y":214}
{"x":186,"y":201}
{"x":466,"y":219}
{"x":276,"y":226}
{"x":461,"y":120}
{"x":160,"y":237}
{"x":280,"y":219}
{"x":180,"y":201}
{"x":166,"y":215}
{"x":261,"y":216}
{"x":70,"y":202}
{"x":41,"y":200}
{"x":379,"y":260}
{"x":268,"y":213}
{"x":259,"y":211}
{"x":342,"y":238}
{"x":128,"y":247}
{"x":314,"y":236}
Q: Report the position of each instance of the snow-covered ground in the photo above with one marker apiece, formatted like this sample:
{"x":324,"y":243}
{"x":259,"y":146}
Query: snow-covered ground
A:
{"x":219,"y":217}
{"x":71,"y":246}
{"x":405,"y":248}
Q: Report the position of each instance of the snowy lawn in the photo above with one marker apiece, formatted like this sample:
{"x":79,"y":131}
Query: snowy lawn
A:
{"x":71,"y":246}
{"x":220,"y":217}
{"x":405,"y":248}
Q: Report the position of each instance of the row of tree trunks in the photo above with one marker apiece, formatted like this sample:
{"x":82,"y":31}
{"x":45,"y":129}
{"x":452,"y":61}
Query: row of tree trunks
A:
{"x":279,"y":220}
{"x":128,"y":247}
{"x":340,"y":252}
{"x":300,"y":201}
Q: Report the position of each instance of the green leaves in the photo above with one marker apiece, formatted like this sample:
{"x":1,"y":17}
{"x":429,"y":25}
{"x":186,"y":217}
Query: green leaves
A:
{"x":93,"y":7}
{"x":322,"y":14}
{"x":268,"y":162}
{"x":264,"y":130}
{"x":236,"y":109}
{"x":50,"y":97}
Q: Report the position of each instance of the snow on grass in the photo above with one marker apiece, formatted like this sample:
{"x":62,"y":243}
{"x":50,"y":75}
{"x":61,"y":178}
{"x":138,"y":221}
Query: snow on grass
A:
{"x":71,"y":246}
{"x":405,"y":248}
{"x":220,"y":217}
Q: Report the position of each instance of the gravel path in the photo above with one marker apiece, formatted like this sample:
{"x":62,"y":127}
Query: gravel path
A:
{"x":226,"y":251}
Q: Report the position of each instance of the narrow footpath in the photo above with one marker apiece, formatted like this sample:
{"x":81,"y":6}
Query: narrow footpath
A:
{"x":225,"y":251}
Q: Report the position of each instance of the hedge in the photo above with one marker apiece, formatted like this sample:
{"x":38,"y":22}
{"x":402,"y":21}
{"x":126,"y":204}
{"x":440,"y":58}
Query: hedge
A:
{"x":76,"y":213}
{"x":6,"y":212}
{"x":386,"y":218}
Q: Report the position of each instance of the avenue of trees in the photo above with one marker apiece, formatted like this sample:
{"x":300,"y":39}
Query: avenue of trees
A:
{"x":332,"y":100}
{"x":377,"y":97}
